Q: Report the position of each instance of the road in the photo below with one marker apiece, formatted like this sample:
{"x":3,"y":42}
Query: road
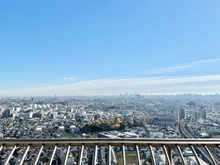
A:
{"x":190,"y":135}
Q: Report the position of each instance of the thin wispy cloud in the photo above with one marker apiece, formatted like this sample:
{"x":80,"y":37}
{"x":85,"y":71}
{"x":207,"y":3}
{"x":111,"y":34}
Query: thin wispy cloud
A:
{"x":150,"y":84}
{"x":69,"y":78}
{"x":142,"y":85}
{"x":65,"y":80}
{"x":209,"y":64}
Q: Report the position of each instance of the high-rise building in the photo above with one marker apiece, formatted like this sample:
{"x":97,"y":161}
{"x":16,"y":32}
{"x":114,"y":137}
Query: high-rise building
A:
{"x":176,"y":114}
{"x":7,"y":113}
{"x":203,"y":113}
{"x":197,"y":115}
{"x":183,"y":113}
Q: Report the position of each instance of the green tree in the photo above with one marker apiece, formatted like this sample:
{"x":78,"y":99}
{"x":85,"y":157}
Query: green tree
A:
{"x":123,"y":125}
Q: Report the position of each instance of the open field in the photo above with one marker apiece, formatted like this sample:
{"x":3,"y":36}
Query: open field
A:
{"x":130,"y":158}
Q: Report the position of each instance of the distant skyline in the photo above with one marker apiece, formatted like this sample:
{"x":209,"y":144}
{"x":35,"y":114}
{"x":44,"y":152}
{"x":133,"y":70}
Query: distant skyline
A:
{"x":109,"y":47}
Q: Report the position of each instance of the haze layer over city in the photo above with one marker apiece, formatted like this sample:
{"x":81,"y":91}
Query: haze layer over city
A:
{"x":109,"y":69}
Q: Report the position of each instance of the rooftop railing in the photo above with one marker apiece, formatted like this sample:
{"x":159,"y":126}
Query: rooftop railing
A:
{"x":170,"y":147}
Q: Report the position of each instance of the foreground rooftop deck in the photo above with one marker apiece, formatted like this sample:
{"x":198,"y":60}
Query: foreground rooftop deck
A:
{"x":205,"y":147}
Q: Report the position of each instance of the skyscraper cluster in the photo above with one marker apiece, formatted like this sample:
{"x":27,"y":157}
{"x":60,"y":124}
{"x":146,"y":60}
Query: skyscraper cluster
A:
{"x":179,"y":114}
{"x":200,"y":114}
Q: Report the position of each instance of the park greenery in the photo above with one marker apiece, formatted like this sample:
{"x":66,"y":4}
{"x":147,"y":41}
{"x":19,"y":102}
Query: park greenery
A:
{"x":118,"y":124}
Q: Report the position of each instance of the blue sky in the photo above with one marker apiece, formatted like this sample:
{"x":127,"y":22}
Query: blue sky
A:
{"x":99,"y":47}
